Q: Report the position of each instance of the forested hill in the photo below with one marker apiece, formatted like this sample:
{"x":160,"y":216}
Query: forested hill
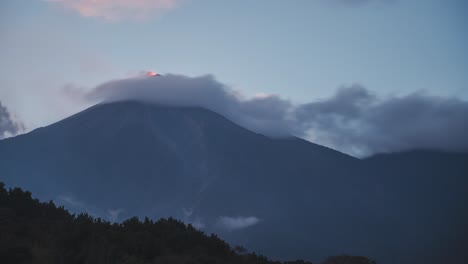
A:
{"x":36,"y":232}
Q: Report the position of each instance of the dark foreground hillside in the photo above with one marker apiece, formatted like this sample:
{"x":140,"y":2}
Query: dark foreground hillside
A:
{"x":36,"y":232}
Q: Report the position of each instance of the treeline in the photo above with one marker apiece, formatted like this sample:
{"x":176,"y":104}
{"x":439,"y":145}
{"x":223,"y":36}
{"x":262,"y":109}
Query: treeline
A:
{"x":35,"y":232}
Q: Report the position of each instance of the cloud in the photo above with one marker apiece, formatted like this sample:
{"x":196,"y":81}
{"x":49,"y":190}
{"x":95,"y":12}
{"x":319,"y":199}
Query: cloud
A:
{"x":118,"y":9}
{"x":189,"y":217}
{"x":354,"y":120}
{"x":187,"y":212}
{"x":263,"y":114}
{"x":357,"y":121}
{"x":71,"y":201}
{"x":197,"y":223}
{"x":236,"y":223}
{"x":8,"y":126}
{"x":114,"y":214}
{"x":77,"y":206}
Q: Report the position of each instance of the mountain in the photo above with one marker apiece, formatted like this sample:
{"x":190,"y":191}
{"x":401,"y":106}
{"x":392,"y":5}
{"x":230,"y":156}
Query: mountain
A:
{"x":286,"y":198}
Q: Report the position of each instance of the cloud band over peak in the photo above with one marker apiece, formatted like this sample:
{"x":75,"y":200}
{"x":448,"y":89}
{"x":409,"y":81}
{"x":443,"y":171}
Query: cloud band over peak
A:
{"x":354,"y":120}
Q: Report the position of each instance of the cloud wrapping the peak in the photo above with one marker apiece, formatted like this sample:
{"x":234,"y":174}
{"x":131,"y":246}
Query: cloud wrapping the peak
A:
{"x":354,"y":120}
{"x":264,"y":114}
{"x":118,"y":9}
{"x":8,"y":126}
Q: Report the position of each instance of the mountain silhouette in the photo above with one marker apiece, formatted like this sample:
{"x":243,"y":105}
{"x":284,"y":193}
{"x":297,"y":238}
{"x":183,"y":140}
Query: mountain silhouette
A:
{"x":283,"y":197}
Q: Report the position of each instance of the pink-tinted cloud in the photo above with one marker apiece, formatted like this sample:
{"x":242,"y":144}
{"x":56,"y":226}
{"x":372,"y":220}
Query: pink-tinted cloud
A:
{"x":118,"y":9}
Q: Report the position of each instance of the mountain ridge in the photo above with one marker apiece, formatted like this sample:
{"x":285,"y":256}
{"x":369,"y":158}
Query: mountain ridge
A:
{"x":131,"y":158}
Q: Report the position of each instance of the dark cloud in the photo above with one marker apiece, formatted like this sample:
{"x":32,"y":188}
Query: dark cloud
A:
{"x":8,"y":126}
{"x":354,"y":120}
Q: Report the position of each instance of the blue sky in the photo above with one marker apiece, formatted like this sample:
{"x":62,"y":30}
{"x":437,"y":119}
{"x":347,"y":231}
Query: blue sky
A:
{"x":302,"y":50}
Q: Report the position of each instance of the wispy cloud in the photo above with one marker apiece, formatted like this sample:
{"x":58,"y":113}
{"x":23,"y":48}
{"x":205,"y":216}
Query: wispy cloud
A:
{"x":189,"y":217}
{"x":118,"y":9}
{"x":114,"y":214}
{"x":72,"y":203}
{"x":197,"y":223}
{"x":236,"y":223}
{"x":8,"y":126}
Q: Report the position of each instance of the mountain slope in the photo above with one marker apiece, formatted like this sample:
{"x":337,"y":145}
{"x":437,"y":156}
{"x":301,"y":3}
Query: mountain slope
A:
{"x":129,"y":158}
{"x":424,"y":200}
{"x":149,"y":151}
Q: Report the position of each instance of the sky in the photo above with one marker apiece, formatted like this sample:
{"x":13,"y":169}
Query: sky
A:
{"x":303,"y":51}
